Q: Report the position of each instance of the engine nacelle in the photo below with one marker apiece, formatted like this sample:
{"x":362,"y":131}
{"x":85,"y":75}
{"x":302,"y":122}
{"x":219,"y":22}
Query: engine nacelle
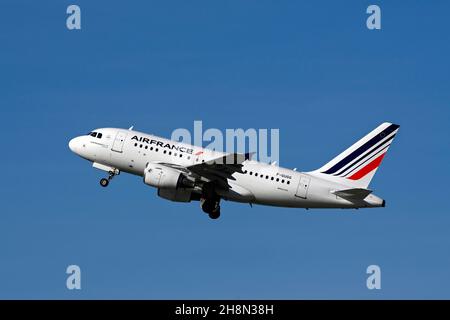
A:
{"x":163,"y":177}
{"x":177,"y":195}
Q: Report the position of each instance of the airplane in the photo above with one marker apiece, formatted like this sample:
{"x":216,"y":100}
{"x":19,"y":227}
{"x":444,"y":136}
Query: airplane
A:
{"x":185,"y":173}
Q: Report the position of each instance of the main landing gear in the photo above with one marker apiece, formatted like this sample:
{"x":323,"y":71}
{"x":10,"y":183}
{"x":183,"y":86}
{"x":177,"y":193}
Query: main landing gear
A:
{"x":210,"y":201}
{"x":212,"y":208}
{"x":111,"y":174}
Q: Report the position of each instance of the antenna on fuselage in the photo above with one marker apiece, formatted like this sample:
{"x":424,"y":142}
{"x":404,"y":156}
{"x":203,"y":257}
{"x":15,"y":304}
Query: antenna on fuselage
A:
{"x":131,"y":128}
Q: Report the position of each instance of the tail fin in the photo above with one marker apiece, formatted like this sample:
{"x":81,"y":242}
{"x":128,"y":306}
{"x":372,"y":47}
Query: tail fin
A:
{"x":357,"y":165}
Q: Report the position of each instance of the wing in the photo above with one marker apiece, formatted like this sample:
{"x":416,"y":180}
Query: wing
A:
{"x":220,"y":169}
{"x":217,"y":170}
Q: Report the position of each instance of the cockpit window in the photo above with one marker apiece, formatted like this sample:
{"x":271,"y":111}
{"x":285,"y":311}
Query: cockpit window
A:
{"x":97,"y":135}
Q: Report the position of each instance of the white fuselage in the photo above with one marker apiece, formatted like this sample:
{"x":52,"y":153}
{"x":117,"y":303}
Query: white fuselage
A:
{"x":259,"y":183}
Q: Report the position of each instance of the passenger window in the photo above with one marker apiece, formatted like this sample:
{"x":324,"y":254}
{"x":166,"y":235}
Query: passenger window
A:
{"x":278,"y":179}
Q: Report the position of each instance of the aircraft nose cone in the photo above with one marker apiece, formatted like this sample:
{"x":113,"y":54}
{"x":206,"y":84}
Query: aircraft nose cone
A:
{"x":74,"y":145}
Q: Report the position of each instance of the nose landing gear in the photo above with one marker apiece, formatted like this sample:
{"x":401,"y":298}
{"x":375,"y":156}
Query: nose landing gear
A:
{"x":104,"y":182}
{"x":111,"y":174}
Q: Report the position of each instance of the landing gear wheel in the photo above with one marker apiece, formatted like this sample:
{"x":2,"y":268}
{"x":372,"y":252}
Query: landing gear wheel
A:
{"x":104,"y":182}
{"x":111,"y":174}
{"x":212,"y":208}
{"x":215,"y":214}
{"x":208,"y":207}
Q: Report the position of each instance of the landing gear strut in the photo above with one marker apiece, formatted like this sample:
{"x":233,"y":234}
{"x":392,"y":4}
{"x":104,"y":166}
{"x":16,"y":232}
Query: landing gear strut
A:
{"x":105,"y":182}
{"x":210,"y":201}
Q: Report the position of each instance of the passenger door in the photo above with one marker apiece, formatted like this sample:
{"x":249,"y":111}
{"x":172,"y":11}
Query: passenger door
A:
{"x":119,"y":141}
{"x":303,"y":185}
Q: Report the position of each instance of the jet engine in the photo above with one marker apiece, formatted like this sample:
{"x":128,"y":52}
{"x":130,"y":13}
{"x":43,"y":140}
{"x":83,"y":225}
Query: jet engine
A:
{"x":177,"y":195}
{"x":163,"y":177}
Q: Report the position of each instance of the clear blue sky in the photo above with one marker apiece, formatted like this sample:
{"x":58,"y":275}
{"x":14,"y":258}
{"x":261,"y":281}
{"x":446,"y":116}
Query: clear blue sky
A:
{"x":311,"y":69}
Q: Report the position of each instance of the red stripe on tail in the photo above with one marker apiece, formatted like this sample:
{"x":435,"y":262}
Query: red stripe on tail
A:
{"x":365,"y":170}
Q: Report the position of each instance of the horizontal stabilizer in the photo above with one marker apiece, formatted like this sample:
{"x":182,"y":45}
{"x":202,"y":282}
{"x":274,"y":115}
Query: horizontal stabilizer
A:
{"x":356,"y":193}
